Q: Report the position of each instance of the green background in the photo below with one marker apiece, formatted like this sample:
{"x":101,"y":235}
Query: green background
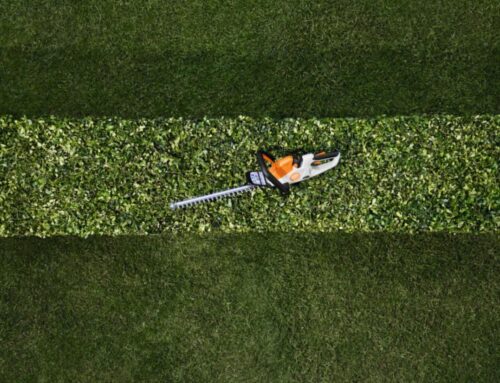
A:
{"x":259,"y":58}
{"x":129,"y":86}
{"x":250,"y":308}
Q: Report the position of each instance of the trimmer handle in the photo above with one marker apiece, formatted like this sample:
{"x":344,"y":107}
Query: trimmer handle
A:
{"x":324,"y":155}
{"x":323,"y":161}
{"x":262,"y":157}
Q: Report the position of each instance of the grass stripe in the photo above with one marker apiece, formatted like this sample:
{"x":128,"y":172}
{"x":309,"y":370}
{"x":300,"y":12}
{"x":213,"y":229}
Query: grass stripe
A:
{"x":250,"y":307}
{"x":285,"y":59}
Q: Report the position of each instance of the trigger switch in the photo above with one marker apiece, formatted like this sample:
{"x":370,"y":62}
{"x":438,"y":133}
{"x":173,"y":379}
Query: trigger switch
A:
{"x":297,"y":160}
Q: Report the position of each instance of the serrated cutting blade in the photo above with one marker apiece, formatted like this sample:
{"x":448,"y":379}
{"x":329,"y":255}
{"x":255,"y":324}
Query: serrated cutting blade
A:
{"x":212,"y":197}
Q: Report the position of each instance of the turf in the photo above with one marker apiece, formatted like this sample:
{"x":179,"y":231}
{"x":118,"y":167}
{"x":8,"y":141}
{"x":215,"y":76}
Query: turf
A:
{"x":259,"y":58}
{"x":275,"y":308}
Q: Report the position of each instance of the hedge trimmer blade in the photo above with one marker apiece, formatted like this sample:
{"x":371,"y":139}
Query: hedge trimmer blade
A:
{"x":212,"y":197}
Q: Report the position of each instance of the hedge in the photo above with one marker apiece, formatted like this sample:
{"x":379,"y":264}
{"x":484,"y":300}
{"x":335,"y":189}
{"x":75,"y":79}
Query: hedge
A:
{"x":117,"y":176}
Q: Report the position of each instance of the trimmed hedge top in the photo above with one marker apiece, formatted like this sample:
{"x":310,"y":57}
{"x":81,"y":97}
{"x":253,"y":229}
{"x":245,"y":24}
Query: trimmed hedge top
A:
{"x":114,"y":176}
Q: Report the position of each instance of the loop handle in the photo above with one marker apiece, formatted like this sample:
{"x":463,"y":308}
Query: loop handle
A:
{"x":262,"y":157}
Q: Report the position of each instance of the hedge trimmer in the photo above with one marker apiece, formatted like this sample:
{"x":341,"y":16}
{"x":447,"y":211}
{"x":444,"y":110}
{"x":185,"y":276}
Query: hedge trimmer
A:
{"x":282,"y":173}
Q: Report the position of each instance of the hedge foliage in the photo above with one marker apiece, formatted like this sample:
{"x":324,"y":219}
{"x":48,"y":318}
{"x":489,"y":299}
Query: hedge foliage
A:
{"x":115,"y":176}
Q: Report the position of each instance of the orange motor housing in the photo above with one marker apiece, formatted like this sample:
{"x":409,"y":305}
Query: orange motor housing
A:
{"x":282,"y":167}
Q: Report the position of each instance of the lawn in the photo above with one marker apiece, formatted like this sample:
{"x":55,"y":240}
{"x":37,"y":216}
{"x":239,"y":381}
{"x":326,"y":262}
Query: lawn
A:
{"x":384,"y":269}
{"x":271,"y":307}
{"x":259,"y":58}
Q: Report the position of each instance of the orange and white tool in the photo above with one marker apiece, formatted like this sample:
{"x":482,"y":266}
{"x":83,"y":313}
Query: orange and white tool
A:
{"x":280,"y":173}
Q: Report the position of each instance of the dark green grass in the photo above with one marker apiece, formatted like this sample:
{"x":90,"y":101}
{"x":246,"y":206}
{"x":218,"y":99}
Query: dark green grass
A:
{"x":253,"y":308}
{"x":259,"y":58}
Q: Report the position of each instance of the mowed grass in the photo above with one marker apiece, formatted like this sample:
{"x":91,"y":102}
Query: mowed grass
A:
{"x":285,"y":58}
{"x":256,"y":308}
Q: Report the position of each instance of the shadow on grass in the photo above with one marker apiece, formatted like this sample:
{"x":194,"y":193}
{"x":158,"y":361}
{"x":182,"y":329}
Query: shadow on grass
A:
{"x":348,"y":81}
{"x":273,"y":307}
{"x":274,"y":242}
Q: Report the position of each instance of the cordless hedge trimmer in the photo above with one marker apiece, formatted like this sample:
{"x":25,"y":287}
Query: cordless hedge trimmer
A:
{"x":281,"y":173}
